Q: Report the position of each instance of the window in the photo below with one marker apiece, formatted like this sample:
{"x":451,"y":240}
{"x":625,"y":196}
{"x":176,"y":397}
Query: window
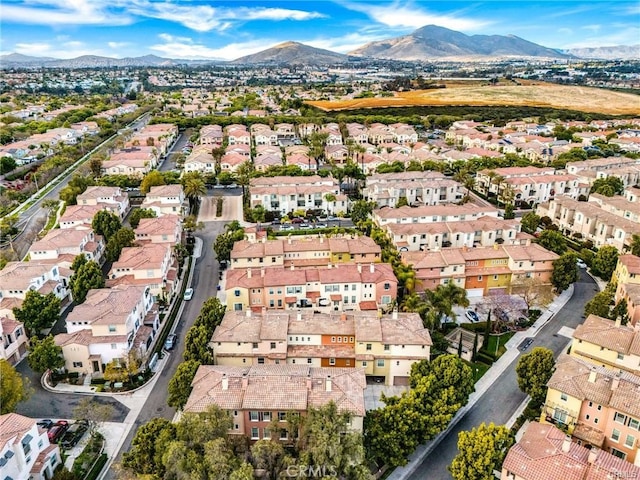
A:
{"x":266,"y":416}
{"x":333,"y":339}
{"x":387,"y":347}
{"x":235,"y":413}
{"x":77,"y":364}
{"x":387,"y":286}
{"x":266,"y":433}
{"x":261,"y":360}
{"x":112,"y":328}
{"x":364,"y":364}
{"x":255,"y":433}
{"x":114,"y":346}
{"x":635,"y":424}
{"x":596,"y":420}
{"x":588,"y":417}
{"x":283,"y":434}
{"x":282,"y":416}
{"x":599,"y":407}
{"x":381,"y":362}
{"x":590,"y":404}
{"x":254,"y":345}
{"x":332,"y":361}
{"x":309,"y":360}
{"x":560,"y":416}
{"x":629,"y":441}
{"x":563,"y":397}
{"x":618,"y":453}
{"x":620,"y":356}
{"x":368,"y":347}
{"x":236,"y":293}
{"x":615,"y":435}
{"x":273,"y":345}
{"x":253,"y":416}
{"x":620,"y":418}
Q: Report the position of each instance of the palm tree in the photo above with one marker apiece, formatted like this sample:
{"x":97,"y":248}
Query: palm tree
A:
{"x":444,"y":298}
{"x":464,"y":177}
{"x":244,"y":174}
{"x":194,"y":187}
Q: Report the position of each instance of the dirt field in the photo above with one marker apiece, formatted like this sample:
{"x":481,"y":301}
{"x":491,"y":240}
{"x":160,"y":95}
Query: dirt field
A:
{"x":584,"y":99}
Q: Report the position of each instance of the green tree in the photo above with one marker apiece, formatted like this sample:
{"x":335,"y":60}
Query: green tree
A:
{"x":553,"y":240}
{"x":77,"y":185}
{"x":152,"y":179}
{"x":95,"y":165}
{"x":360,"y":211}
{"x":7,"y":164}
{"x":13,"y":388}
{"x":44,"y":354}
{"x":480,"y":452}
{"x":106,"y":224}
{"x":125,"y":237}
{"x":224,"y":242}
{"x":534,"y":370}
{"x":95,"y":413}
{"x":196,"y":429}
{"x":565,"y":271}
{"x":179,"y":387}
{"x":605,"y":261}
{"x":87,"y":277}
{"x":402,"y":202}
{"x":635,"y":245}
{"x":602,"y":303}
{"x":148,"y":446}
{"x":194,"y":188}
{"x":444,"y":298}
{"x":608,"y":186}
{"x":38,"y":311}
{"x":78,"y":261}
{"x":530,"y":222}
{"x":197,"y":345}
{"x":138,"y":214}
{"x":270,"y":456}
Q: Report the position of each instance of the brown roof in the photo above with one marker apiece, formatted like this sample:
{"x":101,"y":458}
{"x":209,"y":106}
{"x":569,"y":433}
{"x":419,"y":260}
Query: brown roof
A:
{"x":604,"y":332}
{"x":86,"y":338}
{"x":107,"y":305}
{"x":277,"y":388}
{"x":632,"y":262}
{"x":12,"y":426}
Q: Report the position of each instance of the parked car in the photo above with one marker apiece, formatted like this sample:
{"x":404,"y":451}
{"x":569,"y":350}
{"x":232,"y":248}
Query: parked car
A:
{"x":284,"y":228}
{"x":74,"y":434}
{"x":170,"y":342}
{"x":581,"y":263}
{"x":502,"y":315}
{"x":297,"y":220}
{"x":304,"y":226}
{"x":188,"y":294}
{"x":57,"y":430}
{"x":45,"y":423}
{"x":471,"y":315}
{"x":321,"y":225}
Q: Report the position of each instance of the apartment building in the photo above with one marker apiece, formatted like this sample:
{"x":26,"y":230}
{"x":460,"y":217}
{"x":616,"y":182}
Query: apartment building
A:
{"x":627,"y":279}
{"x":627,"y":169}
{"x":255,"y":396}
{"x":598,"y":406}
{"x":200,"y":160}
{"x":13,"y":340}
{"x":304,"y":251}
{"x":17,"y":278}
{"x":530,"y":185}
{"x":78,"y":216}
{"x":431,"y":214}
{"x":608,"y":343}
{"x":597,"y":220}
{"x":66,"y":244}
{"x":384,"y":345}
{"x":151,"y":265}
{"x":287,"y":194}
{"x":108,"y":325}
{"x":159,"y":136}
{"x":109,"y":198}
{"x":211,"y":135}
{"x":133,"y":162}
{"x":333,"y":287}
{"x":166,"y":229}
{"x":238,"y":134}
{"x":481,"y":271}
{"x":166,"y":200}
{"x":418,"y":188}
{"x":545,"y":452}
{"x":25,"y":451}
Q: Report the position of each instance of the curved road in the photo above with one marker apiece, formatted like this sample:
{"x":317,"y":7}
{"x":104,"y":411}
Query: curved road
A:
{"x":503,"y":398}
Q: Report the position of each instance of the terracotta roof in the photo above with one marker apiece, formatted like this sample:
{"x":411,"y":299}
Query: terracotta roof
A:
{"x":604,"y":332}
{"x":107,"y":305}
{"x":148,"y":257}
{"x":632,"y":262}
{"x":86,"y":338}
{"x":13,"y":425}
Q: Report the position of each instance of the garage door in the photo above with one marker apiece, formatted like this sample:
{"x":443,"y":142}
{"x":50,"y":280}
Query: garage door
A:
{"x":401,"y":381}
{"x":475,"y":292}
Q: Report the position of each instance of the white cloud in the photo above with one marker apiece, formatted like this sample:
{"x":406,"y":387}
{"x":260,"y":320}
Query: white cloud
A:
{"x":185,"y":48}
{"x":57,"y":12}
{"x":406,"y":15}
{"x":621,"y":36}
{"x":117,"y":45}
{"x":343,"y":44}
{"x":593,"y":28}
{"x":56,"y":49}
{"x":565,"y":31}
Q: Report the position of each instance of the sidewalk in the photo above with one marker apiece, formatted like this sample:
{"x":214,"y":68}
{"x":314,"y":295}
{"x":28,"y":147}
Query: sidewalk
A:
{"x":482,"y":385}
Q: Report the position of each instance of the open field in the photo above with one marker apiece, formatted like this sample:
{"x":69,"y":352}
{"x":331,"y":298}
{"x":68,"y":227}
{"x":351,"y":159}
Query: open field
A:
{"x":585,"y":99}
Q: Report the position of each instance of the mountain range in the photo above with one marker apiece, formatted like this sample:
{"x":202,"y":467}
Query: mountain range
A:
{"x":424,"y":44}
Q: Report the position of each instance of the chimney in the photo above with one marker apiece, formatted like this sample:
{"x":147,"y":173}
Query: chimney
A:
{"x":245,"y":381}
{"x":264,"y":312}
{"x":249,"y":313}
{"x":329,"y":266}
{"x":495,"y":246}
{"x":593,"y":455}
{"x":321,"y":238}
{"x":359,"y":268}
{"x":293,"y":267}
{"x":343,"y":317}
{"x":328,"y":383}
{"x":264,"y":239}
{"x":299,"y":315}
{"x":372,"y":268}
{"x":566,"y":444}
{"x":289,"y":239}
{"x":262,"y":272}
{"x":592,"y":375}
{"x":309,"y":382}
{"x":616,"y":381}
{"x":618,"y":321}
{"x":225,"y":382}
{"x":394,"y":314}
{"x":248,"y":273}
{"x":465,"y":248}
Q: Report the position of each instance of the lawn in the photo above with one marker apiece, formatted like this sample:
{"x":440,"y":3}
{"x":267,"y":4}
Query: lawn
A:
{"x":496,"y":343}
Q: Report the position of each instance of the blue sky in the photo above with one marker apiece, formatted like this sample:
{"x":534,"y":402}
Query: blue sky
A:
{"x":228,"y":29}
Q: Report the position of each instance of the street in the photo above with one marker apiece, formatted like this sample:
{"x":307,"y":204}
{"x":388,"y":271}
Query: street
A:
{"x":502,"y":399}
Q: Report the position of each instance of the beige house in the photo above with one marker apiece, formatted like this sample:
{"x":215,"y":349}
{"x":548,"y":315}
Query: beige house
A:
{"x":133,"y":163}
{"x":164,"y":229}
{"x":418,"y":188}
{"x":13,"y":340}
{"x":110,"y":198}
{"x":17,"y":278}
{"x":385,"y":345}
{"x":79,"y":216}
{"x":166,"y":200}
{"x":432,"y":214}
{"x":627,"y":279}
{"x":150,"y":265}
{"x":67,"y":244}
{"x":107,"y":326}
{"x":200,"y":160}
{"x":256,"y":395}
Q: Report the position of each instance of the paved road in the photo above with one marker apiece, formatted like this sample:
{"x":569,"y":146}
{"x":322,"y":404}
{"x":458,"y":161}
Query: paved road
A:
{"x":502,"y":399}
{"x":170,"y":162}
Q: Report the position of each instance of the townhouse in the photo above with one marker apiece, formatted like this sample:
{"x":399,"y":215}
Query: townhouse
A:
{"x":598,"y":406}
{"x":418,"y":188}
{"x":13,"y":340}
{"x":334,"y":136}
{"x":79,"y":216}
{"x":288,"y":194}
{"x":545,"y":452}
{"x":17,"y":278}
{"x":529,"y":185}
{"x":166,"y":229}
{"x":159,"y":136}
{"x":211,"y":135}
{"x":432,"y":214}
{"x":357,"y":133}
{"x":483,"y":270}
{"x":151,"y":265}
{"x":231,"y":161}
{"x":259,"y":395}
{"x":383,"y":345}
{"x":404,"y":134}
{"x":238,"y":134}
{"x":626,"y":277}
{"x":65,"y":244}
{"x":108,"y":198}
{"x":200,"y":160}
{"x":596,"y":220}
{"x":166,"y":200}
{"x":304,"y":251}
{"x":263,"y":135}
{"x":25,"y":451}
{"x":608,"y":343}
{"x":109,"y":324}
{"x":263,"y":161}
{"x":627,"y":169}
{"x":133,"y":162}
{"x":333,"y":287}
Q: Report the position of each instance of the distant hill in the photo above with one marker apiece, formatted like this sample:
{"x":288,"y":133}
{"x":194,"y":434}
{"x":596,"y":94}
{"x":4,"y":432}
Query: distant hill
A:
{"x":292,"y":53}
{"x":617,"y":52}
{"x":19,"y":59}
{"x":436,"y":43}
{"x":16,"y":60}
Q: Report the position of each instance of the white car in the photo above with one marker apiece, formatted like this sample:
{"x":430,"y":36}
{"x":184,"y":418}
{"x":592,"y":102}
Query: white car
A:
{"x":188,"y":294}
{"x":581,"y":263}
